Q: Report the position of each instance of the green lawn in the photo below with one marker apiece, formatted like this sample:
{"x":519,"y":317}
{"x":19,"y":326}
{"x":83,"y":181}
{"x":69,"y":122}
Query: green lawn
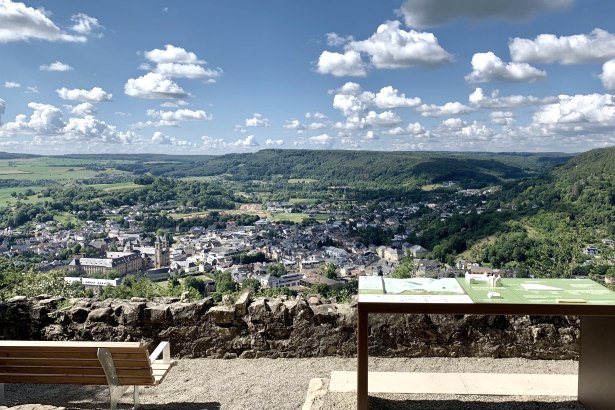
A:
{"x":62,"y":170}
{"x":298,"y":217}
{"x":303,"y":200}
{"x":117,"y":187}
{"x":6,"y":198}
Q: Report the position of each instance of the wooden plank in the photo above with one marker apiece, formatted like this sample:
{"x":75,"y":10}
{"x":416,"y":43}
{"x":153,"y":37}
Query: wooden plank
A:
{"x":66,"y":344}
{"x":98,"y":371}
{"x":73,"y":379}
{"x":18,"y":361}
{"x":85,"y":354}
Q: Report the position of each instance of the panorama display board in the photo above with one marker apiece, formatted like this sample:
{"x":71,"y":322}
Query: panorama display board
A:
{"x":484,"y":289}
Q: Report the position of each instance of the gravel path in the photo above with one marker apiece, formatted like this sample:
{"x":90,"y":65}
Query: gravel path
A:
{"x":272,"y":384}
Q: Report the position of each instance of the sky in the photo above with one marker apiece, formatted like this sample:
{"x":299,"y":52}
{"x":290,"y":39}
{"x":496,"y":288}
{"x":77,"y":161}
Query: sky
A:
{"x":213,"y":77}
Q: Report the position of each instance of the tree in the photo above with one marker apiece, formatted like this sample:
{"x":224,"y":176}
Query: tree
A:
{"x":253,"y":284}
{"x":225,"y":283}
{"x":276,"y":269}
{"x":404,"y":270}
{"x":328,"y":271}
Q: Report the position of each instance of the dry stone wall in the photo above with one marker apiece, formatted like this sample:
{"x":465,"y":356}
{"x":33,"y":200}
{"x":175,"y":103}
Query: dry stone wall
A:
{"x":281,"y":327}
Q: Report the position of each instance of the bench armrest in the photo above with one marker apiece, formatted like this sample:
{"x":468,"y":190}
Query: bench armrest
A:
{"x":165,"y":349}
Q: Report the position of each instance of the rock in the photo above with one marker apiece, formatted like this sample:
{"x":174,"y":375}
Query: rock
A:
{"x":157,"y":314}
{"x":17,"y":299}
{"x":314,"y":300}
{"x":248,"y":354}
{"x":100,"y":315}
{"x":185,"y":297}
{"x":135,"y":299}
{"x":78,"y":314}
{"x":241,"y":305}
{"x":221,"y":315}
{"x":230,"y":356}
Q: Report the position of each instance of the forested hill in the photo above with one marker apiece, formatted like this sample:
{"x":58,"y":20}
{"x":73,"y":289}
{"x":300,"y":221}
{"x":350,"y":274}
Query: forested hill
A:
{"x":350,"y":167}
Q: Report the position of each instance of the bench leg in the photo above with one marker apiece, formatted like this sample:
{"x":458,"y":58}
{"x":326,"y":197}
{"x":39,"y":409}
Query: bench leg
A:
{"x":136,"y":397}
{"x":115,"y":390}
{"x":2,"y":395}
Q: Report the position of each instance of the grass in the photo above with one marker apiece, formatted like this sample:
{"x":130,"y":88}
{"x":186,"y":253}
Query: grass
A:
{"x":6,"y":198}
{"x":62,"y":170}
{"x":303,"y":200}
{"x":65,"y":218}
{"x":298,"y":217}
{"x":431,"y":187}
{"x":207,"y":178}
{"x":117,"y":187}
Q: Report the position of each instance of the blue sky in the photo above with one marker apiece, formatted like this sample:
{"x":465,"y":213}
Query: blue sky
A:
{"x":213,"y":77}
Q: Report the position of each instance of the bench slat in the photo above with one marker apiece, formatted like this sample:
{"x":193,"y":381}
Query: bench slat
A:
{"x":16,"y":344}
{"x":28,"y":361}
{"x":73,"y":379}
{"x":86,"y":354}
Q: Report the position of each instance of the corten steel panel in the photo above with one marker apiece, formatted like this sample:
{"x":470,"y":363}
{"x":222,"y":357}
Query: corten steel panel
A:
{"x":597,"y":363}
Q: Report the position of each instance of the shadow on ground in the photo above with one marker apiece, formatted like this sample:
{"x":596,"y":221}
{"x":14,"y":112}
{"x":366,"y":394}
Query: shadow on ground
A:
{"x":377,"y":403}
{"x":166,"y":406}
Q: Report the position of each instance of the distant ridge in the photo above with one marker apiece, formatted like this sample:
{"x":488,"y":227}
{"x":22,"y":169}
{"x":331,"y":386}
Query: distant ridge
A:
{"x":11,"y":155}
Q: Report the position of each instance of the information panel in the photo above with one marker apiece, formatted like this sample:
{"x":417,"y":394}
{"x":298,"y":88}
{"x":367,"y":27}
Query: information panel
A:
{"x":484,"y":289}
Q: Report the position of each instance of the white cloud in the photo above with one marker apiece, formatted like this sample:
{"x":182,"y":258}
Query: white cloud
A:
{"x":476,"y":131}
{"x":384,"y":119}
{"x":57,"y":66}
{"x":393,"y":47}
{"x":316,"y":115}
{"x":371,"y":136}
{"x":489,"y":67}
{"x":323,"y":139}
{"x":161,"y":139}
{"x":274,"y":142}
{"x":213,"y":143}
{"x":453,"y":123}
{"x":389,"y":97}
{"x":152,"y":86}
{"x":85,"y":24}
{"x":84,"y":109}
{"x":21,"y":23}
{"x":172,"y":54}
{"x":31,"y":89}
{"x":191,"y":71}
{"x":257,"y":121}
{"x":597,"y":47}
{"x":96,"y":94}
{"x":11,"y":84}
{"x":584,"y":110}
{"x":45,"y":119}
{"x":172,"y":118}
{"x":2,"y":107}
{"x":480,"y":100}
{"x":351,"y":100}
{"x":608,"y":75}
{"x":317,"y":125}
{"x":450,"y":108}
{"x":92,"y":129}
{"x":504,"y":118}
{"x":334,"y":39}
{"x":174,"y":104}
{"x":430,"y":13}
{"x":294,"y":125}
{"x":342,"y":65}
{"x":248,"y":141}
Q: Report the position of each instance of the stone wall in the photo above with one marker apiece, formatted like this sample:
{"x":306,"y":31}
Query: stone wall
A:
{"x":280,"y":327}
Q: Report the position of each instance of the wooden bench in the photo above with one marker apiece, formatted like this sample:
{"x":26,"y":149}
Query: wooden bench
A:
{"x":118,"y":365}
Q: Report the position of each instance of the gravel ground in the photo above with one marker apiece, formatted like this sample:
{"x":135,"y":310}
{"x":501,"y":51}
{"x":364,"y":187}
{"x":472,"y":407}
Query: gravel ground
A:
{"x":272,"y":384}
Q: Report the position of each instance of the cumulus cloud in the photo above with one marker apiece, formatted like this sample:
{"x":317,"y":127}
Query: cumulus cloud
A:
{"x":154,"y":86}
{"x":341,"y":65}
{"x":213,"y":143}
{"x":608,"y":75}
{"x":294,"y":125}
{"x":45,"y":119}
{"x":334,"y":39}
{"x":92,"y":129}
{"x":247,"y":142}
{"x":21,"y":23}
{"x":174,"y":104}
{"x":317,"y":125}
{"x":450,"y":108}
{"x":389,"y":97}
{"x":504,"y":118}
{"x":316,"y":115}
{"x":480,"y":100}
{"x":257,"y":120}
{"x":172,"y":54}
{"x":489,"y":67}
{"x":57,"y":66}
{"x":2,"y":107}
{"x":84,"y":109}
{"x":323,"y":139}
{"x":274,"y":142}
{"x":384,"y":119}
{"x":596,"y":47}
{"x":590,"y":109}
{"x":96,"y":94}
{"x":389,"y":47}
{"x":393,"y":47}
{"x":173,"y":118}
{"x":430,"y":13}
{"x":11,"y":84}
{"x":191,"y":71}
{"x":85,"y":24}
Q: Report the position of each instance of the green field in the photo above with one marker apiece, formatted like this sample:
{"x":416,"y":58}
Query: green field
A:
{"x":117,"y":187}
{"x":62,"y":170}
{"x":303,"y":200}
{"x":6,"y":198}
{"x":302,"y":181}
{"x":298,"y":217}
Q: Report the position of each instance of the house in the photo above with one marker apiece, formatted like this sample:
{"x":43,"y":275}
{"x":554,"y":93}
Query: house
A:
{"x":591,"y":250}
{"x":418,"y":251}
{"x":284,"y":281}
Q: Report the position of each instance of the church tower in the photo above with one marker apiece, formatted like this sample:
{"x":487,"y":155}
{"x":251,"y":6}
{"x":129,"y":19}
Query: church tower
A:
{"x":161,"y":252}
